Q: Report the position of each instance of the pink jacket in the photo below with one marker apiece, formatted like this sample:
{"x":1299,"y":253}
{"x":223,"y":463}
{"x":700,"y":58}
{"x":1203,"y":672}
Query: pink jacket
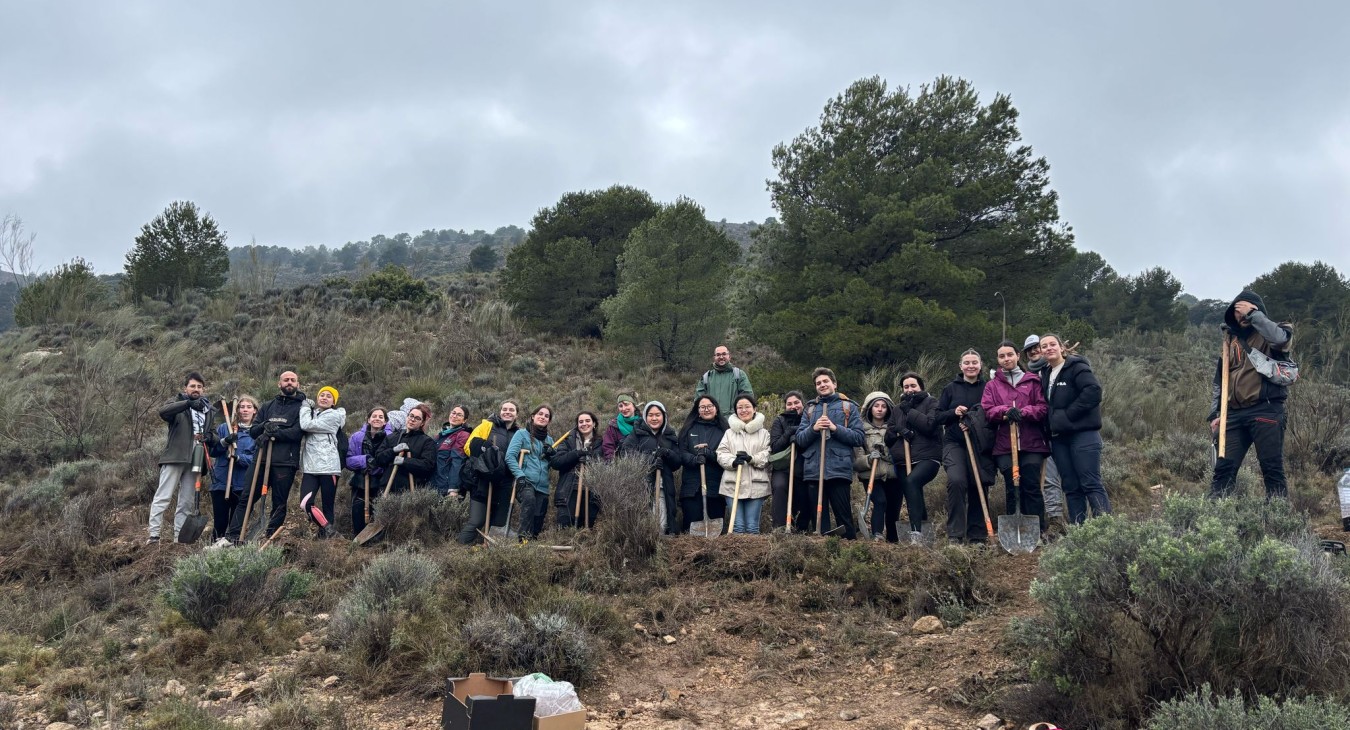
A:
{"x":1000,"y":395}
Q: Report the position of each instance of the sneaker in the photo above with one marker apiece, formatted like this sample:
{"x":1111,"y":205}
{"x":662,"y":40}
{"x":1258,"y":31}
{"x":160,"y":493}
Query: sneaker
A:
{"x":154,"y":540}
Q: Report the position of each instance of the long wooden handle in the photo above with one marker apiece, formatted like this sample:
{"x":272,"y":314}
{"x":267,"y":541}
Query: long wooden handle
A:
{"x":792,"y":472}
{"x":909,"y":463}
{"x":581,"y":476}
{"x":979,"y":487}
{"x":252,"y":489}
{"x":1223,"y":402}
{"x":735,"y":499}
{"x":365,"y":503}
{"x":1016,"y":443}
{"x":820,"y":487}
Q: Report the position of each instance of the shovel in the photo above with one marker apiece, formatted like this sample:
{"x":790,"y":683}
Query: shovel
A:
{"x":979,"y":487}
{"x":792,"y":472}
{"x":252,"y":486}
{"x":194,"y":523}
{"x":1018,"y":533}
{"x":703,"y":486}
{"x":735,"y":498}
{"x":820,"y":488}
{"x":506,"y":528}
{"x":867,"y":501}
{"x":376,"y":528}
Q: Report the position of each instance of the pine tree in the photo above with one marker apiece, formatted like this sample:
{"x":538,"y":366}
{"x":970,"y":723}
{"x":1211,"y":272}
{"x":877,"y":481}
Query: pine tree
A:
{"x":180,"y":249}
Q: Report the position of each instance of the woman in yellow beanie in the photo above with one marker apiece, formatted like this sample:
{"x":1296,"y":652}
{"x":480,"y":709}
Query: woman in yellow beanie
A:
{"x":321,"y":459}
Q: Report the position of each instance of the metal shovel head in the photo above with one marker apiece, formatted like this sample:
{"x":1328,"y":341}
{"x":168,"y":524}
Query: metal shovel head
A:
{"x":372,"y":531}
{"x":1019,"y":534}
{"x":926,"y":536}
{"x":192,"y":528}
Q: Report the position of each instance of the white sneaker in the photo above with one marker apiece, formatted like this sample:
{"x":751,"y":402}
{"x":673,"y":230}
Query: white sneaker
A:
{"x":223,"y":542}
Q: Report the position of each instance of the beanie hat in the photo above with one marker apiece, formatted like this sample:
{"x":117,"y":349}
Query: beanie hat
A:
{"x":332,"y":390}
{"x":1032,"y":341}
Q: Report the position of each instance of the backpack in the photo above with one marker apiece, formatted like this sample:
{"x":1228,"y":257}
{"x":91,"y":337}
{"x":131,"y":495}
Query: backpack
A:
{"x":485,"y":462}
{"x":735,"y":373}
{"x":342,"y":446}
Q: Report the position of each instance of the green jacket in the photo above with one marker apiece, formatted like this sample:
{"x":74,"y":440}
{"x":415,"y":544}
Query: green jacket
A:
{"x":724,"y":385}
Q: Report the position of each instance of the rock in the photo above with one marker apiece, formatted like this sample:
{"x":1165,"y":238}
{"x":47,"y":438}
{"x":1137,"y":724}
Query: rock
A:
{"x":317,"y":616}
{"x":174,"y":688}
{"x":133,"y":703}
{"x":242,"y":676}
{"x":989,"y":722}
{"x":242,"y":694}
{"x":928,"y":625}
{"x":307,"y":640}
{"x":636,"y":627}
{"x":667,"y":638}
{"x":845,"y":715}
{"x":328,"y":681}
{"x":66,"y":725}
{"x":29,"y":359}
{"x":217,"y":694}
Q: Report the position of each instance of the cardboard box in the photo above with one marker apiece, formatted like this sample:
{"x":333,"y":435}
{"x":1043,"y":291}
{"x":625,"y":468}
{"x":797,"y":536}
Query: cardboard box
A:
{"x":473,"y":699}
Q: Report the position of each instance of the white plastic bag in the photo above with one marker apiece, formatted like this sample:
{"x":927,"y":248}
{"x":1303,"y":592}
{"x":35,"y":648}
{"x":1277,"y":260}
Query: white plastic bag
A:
{"x":550,"y":698}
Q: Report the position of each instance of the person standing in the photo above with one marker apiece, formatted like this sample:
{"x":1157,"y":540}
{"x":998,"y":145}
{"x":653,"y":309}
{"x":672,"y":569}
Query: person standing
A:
{"x":701,"y":433}
{"x":655,"y":438}
{"x":834,"y":423}
{"x":915,"y":424}
{"x":743,"y":452}
{"x":1255,"y":403}
{"x":366,"y":474}
{"x":620,"y":426}
{"x":1014,"y":398}
{"x":724,"y":381}
{"x":1051,"y":490}
{"x":531,"y":472}
{"x":225,"y":445}
{"x":580,"y":448}
{"x":321,"y":458}
{"x":1074,"y":420}
{"x":958,"y":410}
{"x":411,"y":450}
{"x":450,"y":452}
{"x":888,"y":486}
{"x":781,"y":435}
{"x":277,"y":432}
{"x":188,"y":416}
{"x":492,"y":436}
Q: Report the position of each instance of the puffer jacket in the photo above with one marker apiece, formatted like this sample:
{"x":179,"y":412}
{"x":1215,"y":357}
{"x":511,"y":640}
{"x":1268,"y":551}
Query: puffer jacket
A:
{"x":534,"y":467}
{"x":753,"y":439}
{"x":691,"y":481}
{"x":220,"y":455}
{"x":284,"y":410}
{"x":420,"y":462}
{"x":572,"y":452}
{"x":847,"y":418}
{"x":999,"y":395}
{"x":876,"y":435}
{"x":361,"y":448}
{"x":959,"y":392}
{"x":320,"y":451}
{"x":915,"y":420}
{"x":645,"y":441}
{"x":1075,"y":400}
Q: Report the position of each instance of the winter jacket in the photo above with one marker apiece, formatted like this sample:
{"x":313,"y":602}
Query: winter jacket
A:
{"x":494,"y":433}
{"x":915,"y":420}
{"x":781,"y":433}
{"x":572,"y":453}
{"x":959,"y":392}
{"x":877,"y":436}
{"x":1074,"y":398}
{"x":220,"y":455}
{"x":1000,"y":395}
{"x":534,"y":467}
{"x":702,"y":432}
{"x":1246,"y":386}
{"x":450,"y":457}
{"x":724,"y":384}
{"x":320,"y":455}
{"x":847,"y":417}
{"x":420,"y":462}
{"x":360,"y":448}
{"x":609,"y":444}
{"x":753,"y":439}
{"x":178,"y":413}
{"x":643,"y":441}
{"x":283,"y":410}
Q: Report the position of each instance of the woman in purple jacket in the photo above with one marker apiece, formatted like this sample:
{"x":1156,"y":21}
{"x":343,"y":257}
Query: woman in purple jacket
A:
{"x":360,"y":448}
{"x":1013,"y":397}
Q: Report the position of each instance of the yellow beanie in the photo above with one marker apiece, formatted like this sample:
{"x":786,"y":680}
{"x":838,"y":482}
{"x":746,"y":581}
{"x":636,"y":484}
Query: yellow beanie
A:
{"x":332,"y":390}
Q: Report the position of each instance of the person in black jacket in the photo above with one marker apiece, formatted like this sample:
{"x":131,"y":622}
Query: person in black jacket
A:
{"x":956,"y":408}
{"x":701,"y":433}
{"x":275,"y":430}
{"x":802,"y":509}
{"x":581,"y":447}
{"x":1075,"y":421}
{"x":915,"y":422}
{"x":411,"y":450}
{"x":188,"y":416}
{"x":493,"y":434}
{"x":654,"y":437}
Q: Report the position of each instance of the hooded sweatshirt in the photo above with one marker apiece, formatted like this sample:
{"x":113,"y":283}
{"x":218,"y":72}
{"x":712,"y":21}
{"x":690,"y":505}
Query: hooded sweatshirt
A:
{"x":1247,"y":387}
{"x":320,"y":453}
{"x":877,"y":436}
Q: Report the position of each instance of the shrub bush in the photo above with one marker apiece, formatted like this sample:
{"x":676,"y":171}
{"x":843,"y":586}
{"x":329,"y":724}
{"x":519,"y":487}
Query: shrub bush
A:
{"x":1232,"y":592}
{"x":390,"y":589}
{"x":1202,"y":710}
{"x":393,"y":284}
{"x":627,"y":534}
{"x":422,"y":516}
{"x":545,"y":642}
{"x":242,"y":582}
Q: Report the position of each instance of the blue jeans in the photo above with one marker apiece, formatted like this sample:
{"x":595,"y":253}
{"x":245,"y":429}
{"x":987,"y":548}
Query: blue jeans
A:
{"x":747,"y":515}
{"x":1079,"y":458}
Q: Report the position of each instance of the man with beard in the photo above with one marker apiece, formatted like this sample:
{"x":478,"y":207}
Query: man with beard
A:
{"x":276,"y":429}
{"x":187,"y":415}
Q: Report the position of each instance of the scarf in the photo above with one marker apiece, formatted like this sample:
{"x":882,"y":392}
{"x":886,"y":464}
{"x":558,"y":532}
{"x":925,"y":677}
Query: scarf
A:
{"x":625,"y":423}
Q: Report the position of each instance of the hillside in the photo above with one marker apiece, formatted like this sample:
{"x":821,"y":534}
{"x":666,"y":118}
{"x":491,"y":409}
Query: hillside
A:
{"x":771,"y":631}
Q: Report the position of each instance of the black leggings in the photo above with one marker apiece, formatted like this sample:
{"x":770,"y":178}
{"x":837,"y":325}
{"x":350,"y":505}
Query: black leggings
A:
{"x":803,"y":508}
{"x":222,"y":508}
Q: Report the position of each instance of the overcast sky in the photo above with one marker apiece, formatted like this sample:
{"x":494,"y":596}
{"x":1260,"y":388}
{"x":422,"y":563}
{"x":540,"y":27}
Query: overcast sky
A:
{"x":1212,"y":139}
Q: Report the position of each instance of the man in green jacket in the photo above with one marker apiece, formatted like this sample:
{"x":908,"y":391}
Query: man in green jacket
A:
{"x":724,"y":382}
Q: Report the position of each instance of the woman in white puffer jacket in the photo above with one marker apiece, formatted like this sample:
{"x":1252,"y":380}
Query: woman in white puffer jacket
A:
{"x":320,"y":458}
{"x":745,"y":444}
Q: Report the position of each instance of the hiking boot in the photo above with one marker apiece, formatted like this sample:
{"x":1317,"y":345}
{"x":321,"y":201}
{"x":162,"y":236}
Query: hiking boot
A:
{"x":1058,"y":528}
{"x":154,"y":540}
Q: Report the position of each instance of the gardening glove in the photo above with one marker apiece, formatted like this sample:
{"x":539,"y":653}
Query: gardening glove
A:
{"x":700,"y":459}
{"x":230,"y":438}
{"x":398,"y":460}
{"x":661,"y":453}
{"x":270,"y":429}
{"x":1015,"y":414}
{"x":201,"y":404}
{"x":402,"y":446}
{"x":872,"y":456}
{"x":549,"y":452}
{"x":702,"y":451}
{"x":741,"y":458}
{"x":309,"y":403}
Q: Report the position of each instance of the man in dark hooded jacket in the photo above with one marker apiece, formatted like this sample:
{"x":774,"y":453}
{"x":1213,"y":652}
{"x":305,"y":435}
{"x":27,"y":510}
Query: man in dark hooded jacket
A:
{"x":276,"y":431}
{"x":1255,"y":404}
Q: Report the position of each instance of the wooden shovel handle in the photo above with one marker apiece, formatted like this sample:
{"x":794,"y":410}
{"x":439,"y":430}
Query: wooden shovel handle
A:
{"x":979,"y":487}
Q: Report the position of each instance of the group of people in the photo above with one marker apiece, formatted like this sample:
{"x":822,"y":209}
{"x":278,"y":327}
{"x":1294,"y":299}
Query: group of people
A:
{"x":1039,"y":407}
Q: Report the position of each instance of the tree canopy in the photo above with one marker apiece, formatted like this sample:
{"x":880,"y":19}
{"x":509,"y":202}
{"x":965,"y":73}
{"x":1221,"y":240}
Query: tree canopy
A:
{"x":180,"y":249}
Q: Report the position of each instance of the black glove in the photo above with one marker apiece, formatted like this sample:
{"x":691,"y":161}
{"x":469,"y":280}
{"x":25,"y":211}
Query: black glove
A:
{"x":201,"y":404}
{"x":230,"y":438}
{"x":702,"y":451}
{"x":700,"y":459}
{"x":211,"y":439}
{"x":905,"y":403}
{"x":1015,"y":414}
{"x":878,"y":449}
{"x":270,"y":429}
{"x":741,"y":458}
{"x":662,"y":453}
{"x":549,"y":452}
{"x":585,"y":457}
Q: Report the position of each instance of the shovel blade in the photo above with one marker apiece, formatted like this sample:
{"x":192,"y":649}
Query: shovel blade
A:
{"x":372,"y":531}
{"x":1019,"y":534}
{"x":926,"y":536}
{"x":192,"y":529}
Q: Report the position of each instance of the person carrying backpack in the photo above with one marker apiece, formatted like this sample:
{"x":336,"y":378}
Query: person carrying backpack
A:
{"x":839,"y":422}
{"x":485,"y":473}
{"x":724,"y":381}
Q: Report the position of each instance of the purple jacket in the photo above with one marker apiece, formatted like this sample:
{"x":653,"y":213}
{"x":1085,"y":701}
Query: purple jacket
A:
{"x":609,"y":442}
{"x":357,"y":453}
{"x":1000,"y":395}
